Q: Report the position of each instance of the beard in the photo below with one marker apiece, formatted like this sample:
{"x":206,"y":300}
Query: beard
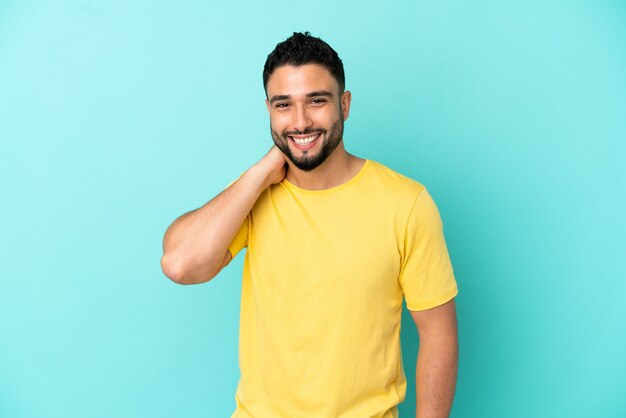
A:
{"x":309,"y":162}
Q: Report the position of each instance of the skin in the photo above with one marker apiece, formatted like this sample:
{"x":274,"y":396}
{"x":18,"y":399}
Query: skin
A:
{"x":437,"y":360}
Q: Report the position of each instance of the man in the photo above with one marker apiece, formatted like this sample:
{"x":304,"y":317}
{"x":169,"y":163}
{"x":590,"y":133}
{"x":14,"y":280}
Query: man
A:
{"x":334,"y":242}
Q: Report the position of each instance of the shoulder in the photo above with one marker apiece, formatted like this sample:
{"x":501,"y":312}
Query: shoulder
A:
{"x":395,"y":182}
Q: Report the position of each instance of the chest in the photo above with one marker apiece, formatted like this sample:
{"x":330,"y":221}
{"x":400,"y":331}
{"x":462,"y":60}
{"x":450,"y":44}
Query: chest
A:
{"x":313,"y":253}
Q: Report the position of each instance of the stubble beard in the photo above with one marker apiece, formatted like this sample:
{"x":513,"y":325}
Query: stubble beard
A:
{"x":309,"y":162}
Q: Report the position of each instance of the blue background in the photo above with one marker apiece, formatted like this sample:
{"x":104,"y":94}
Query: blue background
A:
{"x":116,"y":117}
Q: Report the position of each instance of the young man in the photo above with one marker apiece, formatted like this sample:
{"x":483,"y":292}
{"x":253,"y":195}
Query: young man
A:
{"x":334,"y":242}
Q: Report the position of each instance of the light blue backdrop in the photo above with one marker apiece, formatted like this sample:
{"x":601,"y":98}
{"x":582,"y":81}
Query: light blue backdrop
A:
{"x":116,"y":117}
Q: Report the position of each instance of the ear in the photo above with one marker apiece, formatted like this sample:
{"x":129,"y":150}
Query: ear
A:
{"x":346,"y":98}
{"x":267,"y":103}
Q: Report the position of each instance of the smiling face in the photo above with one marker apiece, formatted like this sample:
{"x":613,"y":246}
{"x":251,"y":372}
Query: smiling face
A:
{"x":306,"y":113}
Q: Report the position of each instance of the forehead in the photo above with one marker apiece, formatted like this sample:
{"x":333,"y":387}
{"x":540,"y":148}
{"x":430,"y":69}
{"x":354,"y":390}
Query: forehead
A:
{"x":293,"y":81}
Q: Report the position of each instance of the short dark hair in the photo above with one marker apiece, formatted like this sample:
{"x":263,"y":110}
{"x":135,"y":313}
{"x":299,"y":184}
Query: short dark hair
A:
{"x":300,"y":49}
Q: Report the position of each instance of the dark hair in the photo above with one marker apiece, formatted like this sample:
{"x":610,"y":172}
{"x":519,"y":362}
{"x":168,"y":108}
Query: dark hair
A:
{"x":300,"y":49}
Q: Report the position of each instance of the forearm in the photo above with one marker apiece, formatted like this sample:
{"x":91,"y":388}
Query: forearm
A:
{"x":195,"y":244}
{"x":436,"y":372}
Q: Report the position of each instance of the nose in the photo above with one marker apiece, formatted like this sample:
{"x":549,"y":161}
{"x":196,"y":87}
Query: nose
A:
{"x":302,"y":119}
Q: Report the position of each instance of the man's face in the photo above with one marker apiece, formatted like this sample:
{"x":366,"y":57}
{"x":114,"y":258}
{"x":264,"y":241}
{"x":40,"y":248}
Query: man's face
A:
{"x":306,"y":113}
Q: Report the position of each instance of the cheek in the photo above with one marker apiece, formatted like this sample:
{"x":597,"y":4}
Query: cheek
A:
{"x":331,"y":117}
{"x":279,"y":122}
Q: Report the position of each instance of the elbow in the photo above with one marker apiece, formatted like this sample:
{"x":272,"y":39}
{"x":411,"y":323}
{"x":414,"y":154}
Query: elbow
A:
{"x":176,"y":272}
{"x":171,"y":269}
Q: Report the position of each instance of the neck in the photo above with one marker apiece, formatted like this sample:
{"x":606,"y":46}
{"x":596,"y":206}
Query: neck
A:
{"x":338,"y":168}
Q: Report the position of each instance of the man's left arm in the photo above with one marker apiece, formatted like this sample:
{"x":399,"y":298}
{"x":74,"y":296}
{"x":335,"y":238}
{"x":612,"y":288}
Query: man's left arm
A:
{"x":437,"y":360}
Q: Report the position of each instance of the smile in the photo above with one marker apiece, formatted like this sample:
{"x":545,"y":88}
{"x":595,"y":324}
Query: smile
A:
{"x":304,"y":142}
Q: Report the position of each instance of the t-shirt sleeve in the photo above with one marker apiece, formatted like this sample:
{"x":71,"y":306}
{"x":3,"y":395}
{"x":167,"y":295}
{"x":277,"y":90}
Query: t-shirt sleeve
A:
{"x":241,"y":237}
{"x":426,"y":273}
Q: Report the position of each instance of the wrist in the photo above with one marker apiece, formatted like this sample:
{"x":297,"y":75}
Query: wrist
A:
{"x":258,"y":175}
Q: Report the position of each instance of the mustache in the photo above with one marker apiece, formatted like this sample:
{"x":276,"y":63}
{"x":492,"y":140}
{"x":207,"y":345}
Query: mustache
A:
{"x":305,"y":132}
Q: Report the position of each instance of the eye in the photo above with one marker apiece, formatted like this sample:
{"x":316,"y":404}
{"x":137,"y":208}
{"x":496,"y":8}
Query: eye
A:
{"x":282,"y":105}
{"x":318,"y":101}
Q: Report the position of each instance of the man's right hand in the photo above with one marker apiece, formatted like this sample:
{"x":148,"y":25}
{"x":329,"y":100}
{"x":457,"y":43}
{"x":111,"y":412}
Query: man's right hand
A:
{"x":273,"y":166}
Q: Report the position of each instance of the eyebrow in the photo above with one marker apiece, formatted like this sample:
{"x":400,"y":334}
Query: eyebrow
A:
{"x":308,"y":95}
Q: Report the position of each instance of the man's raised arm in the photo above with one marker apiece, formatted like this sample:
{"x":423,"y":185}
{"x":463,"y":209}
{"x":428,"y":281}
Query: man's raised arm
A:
{"x":195,"y":245}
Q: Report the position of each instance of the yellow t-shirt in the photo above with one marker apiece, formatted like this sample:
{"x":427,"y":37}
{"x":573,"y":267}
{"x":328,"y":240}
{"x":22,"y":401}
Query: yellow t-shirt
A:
{"x":324,"y":277}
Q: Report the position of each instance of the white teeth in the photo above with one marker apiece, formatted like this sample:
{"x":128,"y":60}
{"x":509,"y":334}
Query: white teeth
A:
{"x":305,"y":141}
